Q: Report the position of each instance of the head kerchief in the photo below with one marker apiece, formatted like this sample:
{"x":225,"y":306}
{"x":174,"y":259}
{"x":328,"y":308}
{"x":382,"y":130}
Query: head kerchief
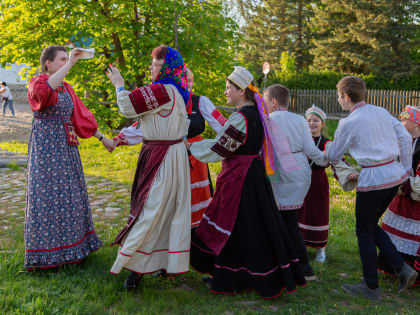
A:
{"x":411,"y":113}
{"x":173,"y":71}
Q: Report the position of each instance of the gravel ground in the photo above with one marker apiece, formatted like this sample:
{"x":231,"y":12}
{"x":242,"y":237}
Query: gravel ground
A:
{"x":16,"y":128}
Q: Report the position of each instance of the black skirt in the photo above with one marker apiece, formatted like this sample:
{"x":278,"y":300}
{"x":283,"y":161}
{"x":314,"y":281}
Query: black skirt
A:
{"x":258,"y":254}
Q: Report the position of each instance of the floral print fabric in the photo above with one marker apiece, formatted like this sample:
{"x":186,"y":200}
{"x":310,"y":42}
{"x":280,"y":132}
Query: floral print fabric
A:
{"x":59,"y":227}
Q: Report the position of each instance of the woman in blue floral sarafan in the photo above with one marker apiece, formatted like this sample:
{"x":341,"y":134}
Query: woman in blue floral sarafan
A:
{"x":59,"y":228}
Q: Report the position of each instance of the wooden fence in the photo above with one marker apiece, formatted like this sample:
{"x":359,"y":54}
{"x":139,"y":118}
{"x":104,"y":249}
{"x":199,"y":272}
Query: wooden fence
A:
{"x":393,"y":101}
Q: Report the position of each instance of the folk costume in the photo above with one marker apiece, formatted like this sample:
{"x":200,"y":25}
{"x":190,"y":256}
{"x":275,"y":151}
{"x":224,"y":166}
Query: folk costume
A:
{"x":314,"y":215}
{"x":382,"y":147}
{"x":58,"y":227}
{"x":157,"y":234}
{"x":199,"y":109}
{"x":242,"y":240}
{"x":290,"y":188}
{"x":402,"y":219}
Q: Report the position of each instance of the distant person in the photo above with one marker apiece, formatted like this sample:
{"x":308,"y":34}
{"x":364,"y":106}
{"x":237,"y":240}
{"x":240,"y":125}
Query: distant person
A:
{"x":7,"y":98}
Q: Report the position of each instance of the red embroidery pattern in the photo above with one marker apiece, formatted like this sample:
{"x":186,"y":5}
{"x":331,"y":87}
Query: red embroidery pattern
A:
{"x":71,"y":134}
{"x":149,"y":97}
{"x":219,"y":117}
{"x":229,"y":142}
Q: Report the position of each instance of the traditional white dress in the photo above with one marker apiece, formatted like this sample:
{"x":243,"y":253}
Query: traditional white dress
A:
{"x":160,"y":236}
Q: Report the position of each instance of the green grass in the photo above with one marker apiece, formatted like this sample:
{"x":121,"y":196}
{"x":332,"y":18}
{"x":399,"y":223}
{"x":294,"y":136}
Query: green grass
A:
{"x":90,"y":289}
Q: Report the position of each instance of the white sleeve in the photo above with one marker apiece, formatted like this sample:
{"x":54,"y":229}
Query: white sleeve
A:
{"x":228,"y":140}
{"x":342,"y":171}
{"x":131,"y":135}
{"x":404,"y":142}
{"x":311,"y":150}
{"x":340,"y":145}
{"x":210,"y":113}
{"x":124,"y":104}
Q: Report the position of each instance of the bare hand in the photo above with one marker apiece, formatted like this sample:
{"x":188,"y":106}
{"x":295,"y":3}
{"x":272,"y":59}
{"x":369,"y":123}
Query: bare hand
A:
{"x":109,"y":144}
{"x":74,"y":55}
{"x":354,"y":176}
{"x":115,"y":76}
{"x":187,"y":144}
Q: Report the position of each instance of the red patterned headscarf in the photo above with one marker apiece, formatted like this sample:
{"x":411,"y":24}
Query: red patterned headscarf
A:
{"x":411,"y":113}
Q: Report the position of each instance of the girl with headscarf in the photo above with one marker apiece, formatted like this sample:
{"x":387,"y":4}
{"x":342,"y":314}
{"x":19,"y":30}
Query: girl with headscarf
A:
{"x":242,"y":240}
{"x":157,"y":234}
{"x":402,"y":219}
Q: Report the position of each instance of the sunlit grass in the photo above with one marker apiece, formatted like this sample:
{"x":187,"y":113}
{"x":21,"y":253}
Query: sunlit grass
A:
{"x":90,"y":289}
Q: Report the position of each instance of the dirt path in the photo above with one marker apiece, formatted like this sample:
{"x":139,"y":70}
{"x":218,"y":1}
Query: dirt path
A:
{"x":16,"y":128}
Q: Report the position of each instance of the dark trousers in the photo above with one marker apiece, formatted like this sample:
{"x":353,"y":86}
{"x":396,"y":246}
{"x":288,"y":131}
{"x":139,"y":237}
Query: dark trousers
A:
{"x":370,"y":206}
{"x":290,"y":218}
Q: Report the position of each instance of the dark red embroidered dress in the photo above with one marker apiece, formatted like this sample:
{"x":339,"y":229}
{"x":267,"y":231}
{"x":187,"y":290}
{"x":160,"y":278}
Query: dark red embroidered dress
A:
{"x":314,"y":216}
{"x":242,"y":240}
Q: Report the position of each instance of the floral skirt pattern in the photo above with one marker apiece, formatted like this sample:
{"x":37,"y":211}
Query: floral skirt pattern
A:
{"x":59,"y":227}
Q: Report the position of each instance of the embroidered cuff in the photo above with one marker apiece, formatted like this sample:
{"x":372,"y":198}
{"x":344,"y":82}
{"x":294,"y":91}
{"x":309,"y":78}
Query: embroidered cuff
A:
{"x":229,"y":142}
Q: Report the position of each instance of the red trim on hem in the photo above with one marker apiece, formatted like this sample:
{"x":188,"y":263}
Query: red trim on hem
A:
{"x":125,"y":255}
{"x":383,"y":186}
{"x":55,"y":266}
{"x":61,"y":247}
{"x":401,"y":234}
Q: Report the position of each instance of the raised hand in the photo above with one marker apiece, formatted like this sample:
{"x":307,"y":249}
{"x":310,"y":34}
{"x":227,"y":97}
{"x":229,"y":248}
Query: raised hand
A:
{"x":74,"y":55}
{"x":115,"y":76}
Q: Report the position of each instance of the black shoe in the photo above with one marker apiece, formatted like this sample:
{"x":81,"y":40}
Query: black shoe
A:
{"x":207,"y":280}
{"x":309,"y":273}
{"x":160,"y":273}
{"x":362,"y":290}
{"x":407,"y":278}
{"x":132,"y":281}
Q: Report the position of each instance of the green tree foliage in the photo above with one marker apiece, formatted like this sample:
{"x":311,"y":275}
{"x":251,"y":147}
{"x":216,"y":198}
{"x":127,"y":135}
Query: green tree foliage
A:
{"x":274,"y":26}
{"x":123,"y":32}
{"x":327,"y":80}
{"x":367,"y":36}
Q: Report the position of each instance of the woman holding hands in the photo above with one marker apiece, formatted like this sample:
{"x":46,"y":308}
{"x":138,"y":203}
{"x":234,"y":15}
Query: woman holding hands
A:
{"x":59,"y":228}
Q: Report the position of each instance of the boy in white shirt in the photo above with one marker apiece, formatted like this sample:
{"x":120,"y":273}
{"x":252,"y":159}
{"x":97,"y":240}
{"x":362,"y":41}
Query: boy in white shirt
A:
{"x":7,"y":98}
{"x":290,"y":188}
{"x":382,"y":147}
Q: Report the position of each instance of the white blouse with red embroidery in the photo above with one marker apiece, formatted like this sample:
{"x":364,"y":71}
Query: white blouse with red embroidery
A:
{"x":133,"y":134}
